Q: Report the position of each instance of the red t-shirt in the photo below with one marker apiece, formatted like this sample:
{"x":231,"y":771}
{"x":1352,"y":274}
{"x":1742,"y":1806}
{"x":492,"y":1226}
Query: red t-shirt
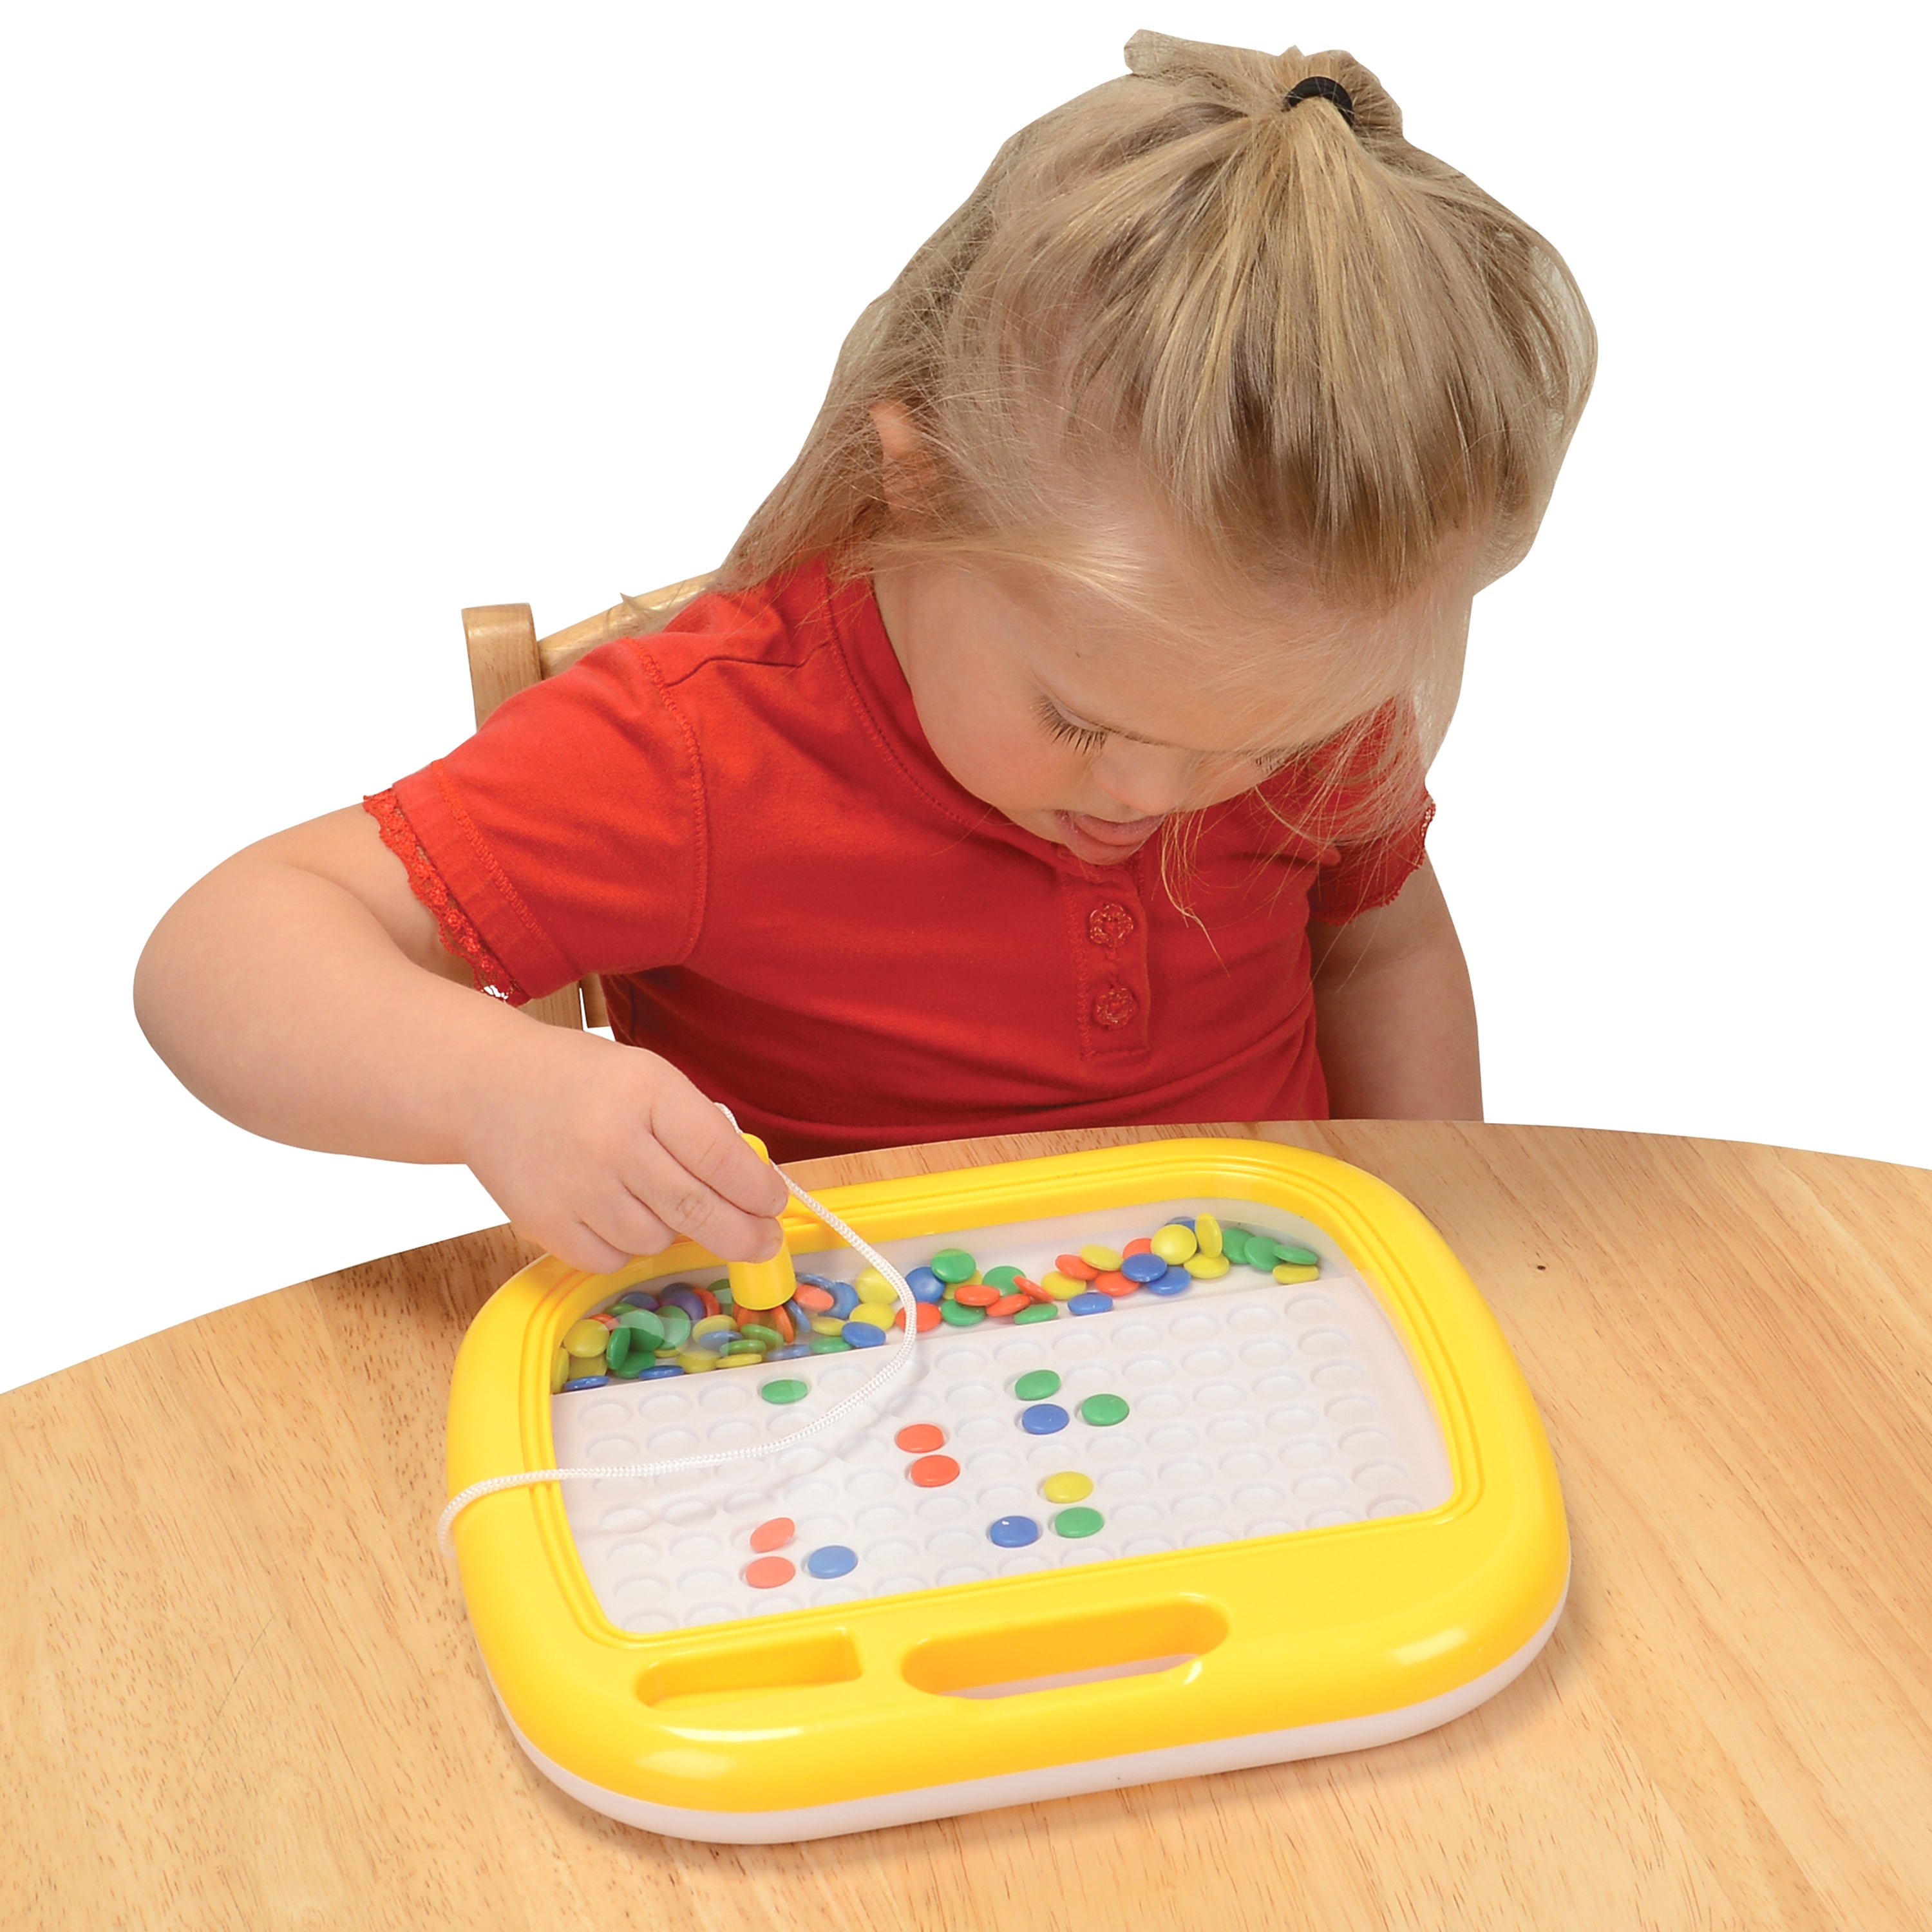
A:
{"x":739,"y":823}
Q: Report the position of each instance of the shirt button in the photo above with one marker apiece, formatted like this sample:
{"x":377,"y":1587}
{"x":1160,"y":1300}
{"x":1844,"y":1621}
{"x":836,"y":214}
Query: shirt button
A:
{"x":1116,"y":1006}
{"x":1108,"y":924}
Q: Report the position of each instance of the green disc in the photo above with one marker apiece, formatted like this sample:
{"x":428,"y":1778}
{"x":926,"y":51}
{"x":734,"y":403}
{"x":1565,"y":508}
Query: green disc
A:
{"x":829,"y":1345}
{"x":645,"y":1326}
{"x":960,"y":1314}
{"x":1038,"y":1311}
{"x":952,"y":1264}
{"x":756,"y":1331}
{"x":1078,"y":1521}
{"x":1103,"y":1411}
{"x":1297,"y":1257}
{"x":676,"y":1326}
{"x":1036,"y":1385}
{"x":788,"y":1389}
{"x":1234,"y":1243}
{"x":640,"y":1359}
{"x":1002,"y":1278}
{"x":616,"y":1349}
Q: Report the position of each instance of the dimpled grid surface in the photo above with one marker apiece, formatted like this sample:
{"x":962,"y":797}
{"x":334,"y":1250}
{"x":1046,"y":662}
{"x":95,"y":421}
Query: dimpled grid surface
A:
{"x":1256,"y":1409}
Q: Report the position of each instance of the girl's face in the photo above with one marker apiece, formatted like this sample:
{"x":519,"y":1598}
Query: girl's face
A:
{"x":1089,"y":730}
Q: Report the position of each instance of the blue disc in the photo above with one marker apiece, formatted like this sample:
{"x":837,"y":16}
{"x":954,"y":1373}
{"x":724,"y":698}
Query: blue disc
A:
{"x":863,"y":1335}
{"x":637,"y":1298}
{"x":1172,"y":1282}
{"x":1143,"y":1268}
{"x":789,"y":1352}
{"x":926,"y":1286}
{"x":604,"y":1381}
{"x":1179,"y":1221}
{"x":1014,"y":1532}
{"x":834,"y":1559}
{"x":662,"y":1372}
{"x":1044,"y":1418}
{"x":844,"y":1299}
{"x":1091,"y":1303}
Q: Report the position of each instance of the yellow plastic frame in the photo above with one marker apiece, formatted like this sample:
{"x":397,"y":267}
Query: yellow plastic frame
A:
{"x":819,"y":1706}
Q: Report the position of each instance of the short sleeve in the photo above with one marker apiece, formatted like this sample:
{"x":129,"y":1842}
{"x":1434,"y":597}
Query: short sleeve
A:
{"x":1364,"y":791}
{"x":567,"y":836}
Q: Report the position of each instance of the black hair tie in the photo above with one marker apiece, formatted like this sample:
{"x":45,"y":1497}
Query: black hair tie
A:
{"x":1319,"y":87}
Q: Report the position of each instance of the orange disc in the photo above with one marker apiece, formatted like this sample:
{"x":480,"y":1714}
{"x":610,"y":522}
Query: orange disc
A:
{"x":775,"y":1535}
{"x":933,"y":1472}
{"x":767,"y":1573}
{"x":779,"y":1320}
{"x":1031,"y":1290}
{"x":1072,"y":1264}
{"x":1115,"y":1283}
{"x":1010,"y":1304}
{"x":1144,"y":1246}
{"x":929,"y":1317}
{"x":916,"y":1438}
{"x":815,"y":1299}
{"x":709,"y":1300}
{"x":975,"y":1295}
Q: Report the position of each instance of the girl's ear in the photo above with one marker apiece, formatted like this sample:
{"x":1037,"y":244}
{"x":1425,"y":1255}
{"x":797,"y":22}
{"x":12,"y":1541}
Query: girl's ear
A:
{"x":904,"y":465}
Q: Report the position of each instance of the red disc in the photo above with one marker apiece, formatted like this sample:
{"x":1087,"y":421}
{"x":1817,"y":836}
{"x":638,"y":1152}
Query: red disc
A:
{"x":933,"y":1472}
{"x":1115,"y":1283}
{"x":1010,"y":1304}
{"x":767,"y":1573}
{"x":916,"y":1438}
{"x":775,"y":1535}
{"x":1080,"y":1270}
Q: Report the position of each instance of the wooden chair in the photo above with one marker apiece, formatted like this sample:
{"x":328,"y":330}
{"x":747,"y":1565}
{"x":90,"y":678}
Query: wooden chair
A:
{"x":506,"y":655}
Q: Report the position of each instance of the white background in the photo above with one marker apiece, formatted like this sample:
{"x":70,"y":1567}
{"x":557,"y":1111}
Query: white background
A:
{"x":321,"y":323}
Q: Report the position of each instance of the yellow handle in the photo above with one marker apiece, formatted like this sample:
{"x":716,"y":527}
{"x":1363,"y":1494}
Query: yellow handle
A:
{"x":762,"y":1284}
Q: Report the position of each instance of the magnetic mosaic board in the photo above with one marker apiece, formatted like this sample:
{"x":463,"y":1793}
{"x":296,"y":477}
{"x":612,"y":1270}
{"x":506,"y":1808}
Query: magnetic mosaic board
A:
{"x":1255,"y":1409}
{"x":1329,"y":1517}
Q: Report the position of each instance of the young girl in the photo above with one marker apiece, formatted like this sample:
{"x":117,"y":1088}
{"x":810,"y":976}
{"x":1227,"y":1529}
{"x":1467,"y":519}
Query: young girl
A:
{"x":1049,"y":751}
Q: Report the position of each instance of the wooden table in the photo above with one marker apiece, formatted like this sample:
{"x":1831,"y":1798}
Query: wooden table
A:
{"x":239,"y":1691}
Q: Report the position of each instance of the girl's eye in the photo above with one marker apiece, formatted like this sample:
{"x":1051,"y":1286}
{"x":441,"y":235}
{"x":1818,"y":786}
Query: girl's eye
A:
{"x":1057,"y":724}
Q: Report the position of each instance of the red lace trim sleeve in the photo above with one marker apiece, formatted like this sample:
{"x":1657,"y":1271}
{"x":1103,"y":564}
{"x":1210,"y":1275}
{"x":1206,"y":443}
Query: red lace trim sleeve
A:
{"x":487,"y":971}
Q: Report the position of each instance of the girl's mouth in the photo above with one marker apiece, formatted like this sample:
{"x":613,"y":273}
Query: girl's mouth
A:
{"x":1103,"y":842}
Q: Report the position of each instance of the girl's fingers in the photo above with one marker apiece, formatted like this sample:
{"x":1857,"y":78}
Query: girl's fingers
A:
{"x":692,"y":1207}
{"x":697,"y":1136}
{"x":573,"y":1243}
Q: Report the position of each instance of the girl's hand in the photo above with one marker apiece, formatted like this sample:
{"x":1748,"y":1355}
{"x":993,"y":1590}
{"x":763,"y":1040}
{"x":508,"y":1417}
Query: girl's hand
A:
{"x":600,"y":1152}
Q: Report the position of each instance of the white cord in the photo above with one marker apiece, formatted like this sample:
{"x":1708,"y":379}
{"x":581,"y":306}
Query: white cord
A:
{"x":897,"y":1360}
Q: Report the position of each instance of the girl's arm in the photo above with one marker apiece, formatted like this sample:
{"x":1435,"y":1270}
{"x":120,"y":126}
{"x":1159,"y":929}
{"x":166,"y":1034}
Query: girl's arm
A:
{"x":1395,"y":1018}
{"x":302,"y":991}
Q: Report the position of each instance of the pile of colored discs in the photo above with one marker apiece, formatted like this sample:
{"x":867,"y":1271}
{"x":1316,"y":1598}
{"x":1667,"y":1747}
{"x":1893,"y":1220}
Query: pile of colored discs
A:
{"x":686,"y":1330}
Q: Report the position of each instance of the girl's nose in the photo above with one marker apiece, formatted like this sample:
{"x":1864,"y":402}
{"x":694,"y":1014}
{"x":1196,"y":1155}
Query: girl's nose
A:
{"x":1148,"y":779}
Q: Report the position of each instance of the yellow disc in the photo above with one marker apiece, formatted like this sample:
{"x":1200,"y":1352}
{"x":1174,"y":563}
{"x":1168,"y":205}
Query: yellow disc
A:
{"x":870,"y":1315}
{"x":1174,"y":1244}
{"x":1286,"y":1271}
{"x":1068,"y":1485}
{"x":827,"y":1324}
{"x":1206,"y":1267}
{"x":1207,"y":1234}
{"x":696,"y":1361}
{"x":1097,"y":1255}
{"x":1061,"y":1287}
{"x":587,"y":1339}
{"x":559,"y":1370}
{"x":873,"y":1286}
{"x":710,"y":1324}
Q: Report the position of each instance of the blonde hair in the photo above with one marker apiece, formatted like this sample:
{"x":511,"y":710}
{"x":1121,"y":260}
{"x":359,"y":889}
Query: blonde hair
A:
{"x":1327,"y":355}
